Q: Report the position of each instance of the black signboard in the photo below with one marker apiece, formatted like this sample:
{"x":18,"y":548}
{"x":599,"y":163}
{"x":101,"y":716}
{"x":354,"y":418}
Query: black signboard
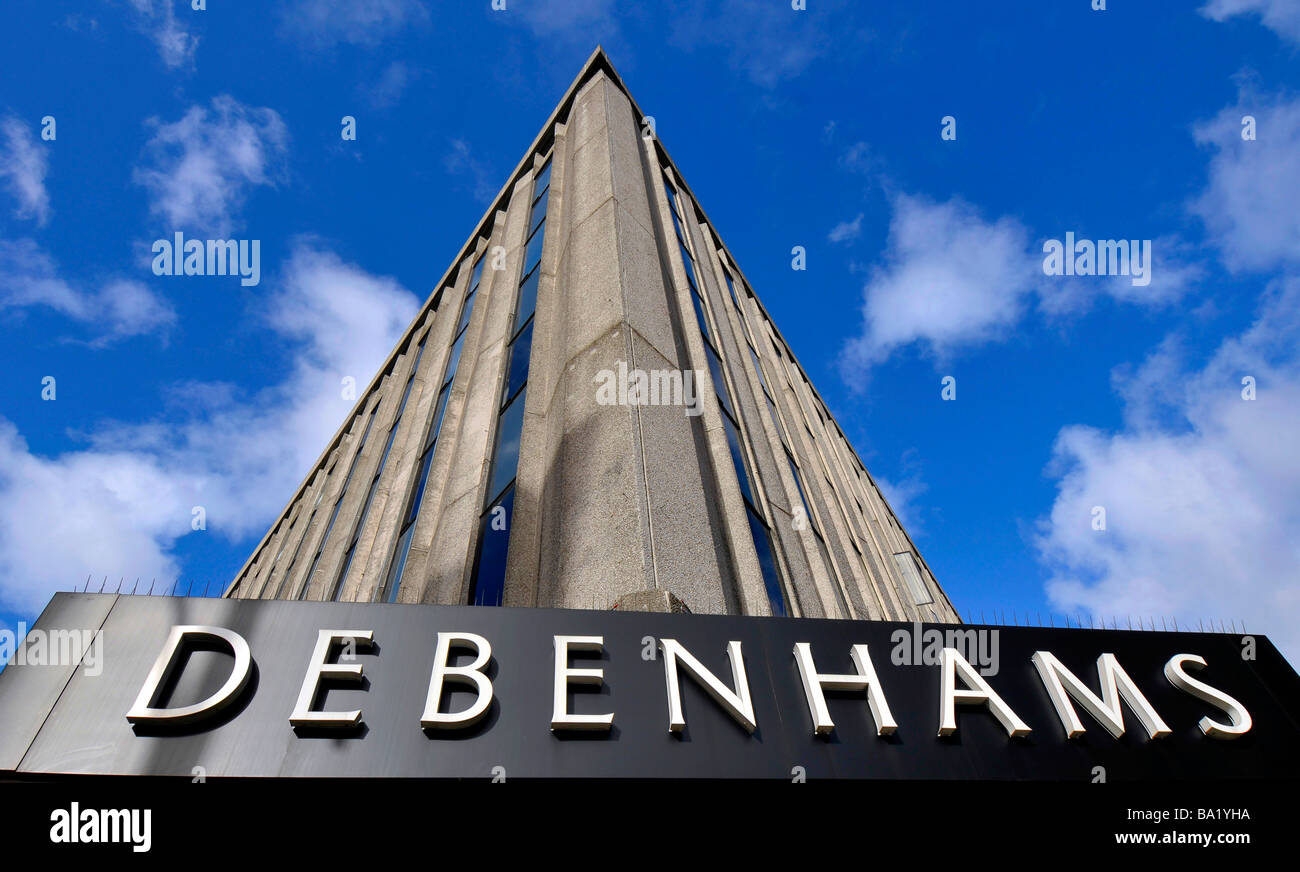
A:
{"x":67,"y":693}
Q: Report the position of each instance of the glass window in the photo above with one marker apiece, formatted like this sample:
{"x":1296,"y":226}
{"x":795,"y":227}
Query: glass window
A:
{"x":517,"y":366}
{"x":906,"y":564}
{"x":698,"y":304}
{"x":719,"y":385}
{"x":494,"y":541}
{"x":542,"y":182}
{"x":528,"y":297}
{"x":393,"y":583}
{"x":505,"y":460}
{"x":477,"y":275}
{"x":439,"y":410}
{"x":766,"y":561}
{"x":539,"y":215}
{"x":414,"y":508}
{"x":690,"y":270}
{"x":533,"y":253}
{"x":757,"y":367}
{"x":465,"y":312}
{"x":798,"y":483}
{"x":737,"y":458}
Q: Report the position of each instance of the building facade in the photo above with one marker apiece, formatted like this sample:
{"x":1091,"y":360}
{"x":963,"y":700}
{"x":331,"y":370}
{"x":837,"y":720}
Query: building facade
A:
{"x":594,"y":410}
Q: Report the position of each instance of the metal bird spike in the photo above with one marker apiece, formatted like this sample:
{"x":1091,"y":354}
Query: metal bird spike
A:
{"x":151,"y":584}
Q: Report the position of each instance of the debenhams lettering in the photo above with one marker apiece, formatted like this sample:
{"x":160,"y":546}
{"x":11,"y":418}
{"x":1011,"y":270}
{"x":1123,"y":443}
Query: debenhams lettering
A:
{"x":1064,"y":688}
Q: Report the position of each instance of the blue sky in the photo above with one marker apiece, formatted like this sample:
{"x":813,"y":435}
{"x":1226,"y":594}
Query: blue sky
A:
{"x":816,"y":127}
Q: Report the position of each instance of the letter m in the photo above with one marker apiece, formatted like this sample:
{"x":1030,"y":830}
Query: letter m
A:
{"x":1112,"y":256}
{"x":223,"y":254}
{"x":1062,"y":685}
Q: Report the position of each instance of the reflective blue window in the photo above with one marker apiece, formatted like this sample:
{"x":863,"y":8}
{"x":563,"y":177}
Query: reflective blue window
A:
{"x":533,"y":253}
{"x":505,"y":459}
{"x":393,"y":583}
{"x":528,"y":297}
{"x":465,"y":313}
{"x":690,"y":270}
{"x":766,"y":561}
{"x":453,"y":359}
{"x":517,"y":367}
{"x":494,"y":542}
{"x":737,"y":458}
{"x":438,"y":412}
{"x":719,"y":385}
{"x":699,"y":317}
{"x":477,"y":275}
{"x":542,"y":182}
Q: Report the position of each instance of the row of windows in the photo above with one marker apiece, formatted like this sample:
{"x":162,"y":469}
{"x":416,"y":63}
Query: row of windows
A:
{"x":337,"y":588}
{"x":759,"y":528}
{"x":338,"y":501}
{"x":392,"y":585}
{"x":905,"y":560}
{"x":488,"y":575}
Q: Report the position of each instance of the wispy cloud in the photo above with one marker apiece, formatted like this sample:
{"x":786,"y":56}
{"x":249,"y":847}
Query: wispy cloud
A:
{"x":769,"y":43}
{"x":201,"y":167}
{"x":119,"y":506}
{"x":1280,"y":16}
{"x":157,"y":19}
{"x":323,"y":24}
{"x":950,"y":278}
{"x":387,"y":91}
{"x":23,"y":165}
{"x":1249,"y":205}
{"x":846,"y":230}
{"x":460,"y":161}
{"x":117,"y":309}
{"x":1201,"y":489}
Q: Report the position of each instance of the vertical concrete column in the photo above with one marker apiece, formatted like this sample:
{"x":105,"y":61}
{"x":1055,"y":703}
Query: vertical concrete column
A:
{"x":418,"y":562}
{"x":375,"y":544}
{"x":450,"y":557}
{"x":618,"y":490}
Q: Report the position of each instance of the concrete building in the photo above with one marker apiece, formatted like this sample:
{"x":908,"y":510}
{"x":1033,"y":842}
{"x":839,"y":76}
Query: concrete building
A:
{"x":594,"y":410}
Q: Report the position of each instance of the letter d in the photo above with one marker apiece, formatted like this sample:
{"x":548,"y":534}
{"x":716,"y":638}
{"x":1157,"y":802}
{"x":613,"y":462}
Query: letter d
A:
{"x":164,"y":670}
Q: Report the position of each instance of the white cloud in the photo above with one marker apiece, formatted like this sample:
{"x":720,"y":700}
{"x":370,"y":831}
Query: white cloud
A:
{"x":23,"y":164}
{"x":118,"y":507}
{"x":202,"y":166}
{"x":859,"y":158}
{"x":1280,"y":16}
{"x":120,"y":308}
{"x":1174,"y":273}
{"x":460,"y":161}
{"x":1249,"y":204}
{"x":323,"y":24}
{"x":392,"y":82}
{"x":1201,"y":489}
{"x":157,"y":19}
{"x":767,"y":42}
{"x":846,"y":230}
{"x":950,"y":279}
{"x":567,"y":19}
